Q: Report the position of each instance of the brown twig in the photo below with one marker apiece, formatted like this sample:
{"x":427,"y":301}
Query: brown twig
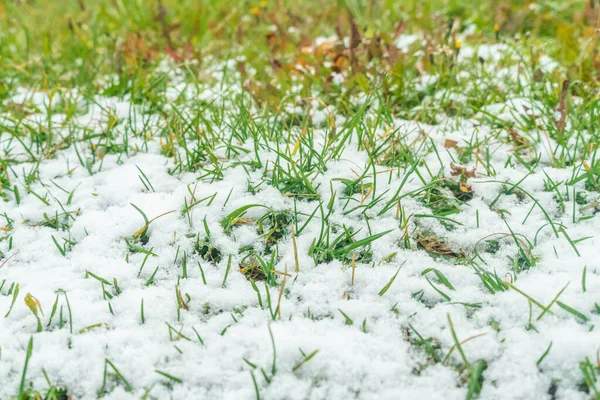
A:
{"x":562,"y":107}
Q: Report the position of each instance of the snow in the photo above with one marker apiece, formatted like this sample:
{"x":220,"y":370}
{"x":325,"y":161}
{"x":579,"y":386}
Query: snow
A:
{"x":379,"y":362}
{"x":404,"y":42}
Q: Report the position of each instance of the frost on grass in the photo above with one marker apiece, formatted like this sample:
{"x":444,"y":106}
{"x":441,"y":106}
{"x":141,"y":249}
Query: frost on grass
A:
{"x":202,"y":248}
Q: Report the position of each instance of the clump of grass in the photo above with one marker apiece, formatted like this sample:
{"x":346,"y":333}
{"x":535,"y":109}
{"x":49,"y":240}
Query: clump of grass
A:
{"x":445,"y":197}
{"x":207,"y":250}
{"x":251,"y":268}
{"x":273,"y":226}
{"x":237,"y":216}
{"x":256,"y":269}
{"x":352,"y":187}
{"x":395,"y":153}
{"x":343,"y":247}
{"x":431,"y":347}
{"x":591,"y":375}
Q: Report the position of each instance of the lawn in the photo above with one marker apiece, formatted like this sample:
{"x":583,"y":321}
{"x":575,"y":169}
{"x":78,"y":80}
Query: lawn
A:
{"x":335,"y":199}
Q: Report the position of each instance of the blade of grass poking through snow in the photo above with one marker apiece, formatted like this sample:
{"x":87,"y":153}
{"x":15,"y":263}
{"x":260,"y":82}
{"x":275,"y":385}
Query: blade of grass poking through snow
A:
{"x":24,"y":373}
{"x":295,"y":246}
{"x":589,"y":377}
{"x":224,"y":284}
{"x":441,"y":277}
{"x":53,"y":312}
{"x":146,"y":221}
{"x":102,"y":391}
{"x":431,"y":351}
{"x":347,"y":318}
{"x":145,"y":181}
{"x":14,"y":298}
{"x":476,"y":380}
{"x":461,"y":343}
{"x":531,"y":299}
{"x":564,"y":232}
{"x":201,"y":272}
{"x":304,"y":360}
{"x":255,"y":384}
{"x":274,"y":365}
{"x":573,"y":311}
{"x":232,"y":218}
{"x":444,"y":295}
{"x":64,"y":293}
{"x":552,"y":302}
{"x":457,"y":344}
{"x":169,"y":376}
{"x":144,"y":228}
{"x":539,"y":361}
{"x":58,"y":246}
{"x":359,"y":243}
{"x":135,"y":248}
{"x":537,"y":203}
{"x":198,"y":336}
{"x":151,"y":278}
{"x":141,"y":212}
{"x":389,"y":284}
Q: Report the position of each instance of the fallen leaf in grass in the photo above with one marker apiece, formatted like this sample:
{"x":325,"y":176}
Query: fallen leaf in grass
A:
{"x":456,"y":170}
{"x":516,"y":137}
{"x":432,"y":245}
{"x":465,"y":188}
{"x":450,"y":144}
{"x":324,"y":48}
{"x":341,"y":62}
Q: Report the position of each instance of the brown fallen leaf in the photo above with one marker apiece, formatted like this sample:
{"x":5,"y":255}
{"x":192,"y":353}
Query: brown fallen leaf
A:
{"x":516,"y":137}
{"x":324,"y":48}
{"x":432,"y":245}
{"x":456,"y":170}
{"x":341,"y":62}
{"x":450,"y":144}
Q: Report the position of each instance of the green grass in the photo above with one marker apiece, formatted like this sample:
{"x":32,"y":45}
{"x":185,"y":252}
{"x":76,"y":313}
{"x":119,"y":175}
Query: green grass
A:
{"x":76,"y":52}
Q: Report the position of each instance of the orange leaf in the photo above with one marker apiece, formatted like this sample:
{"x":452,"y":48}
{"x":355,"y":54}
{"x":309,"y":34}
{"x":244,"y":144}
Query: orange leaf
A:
{"x":465,"y":188}
{"x":450,"y":144}
{"x":458,"y":170}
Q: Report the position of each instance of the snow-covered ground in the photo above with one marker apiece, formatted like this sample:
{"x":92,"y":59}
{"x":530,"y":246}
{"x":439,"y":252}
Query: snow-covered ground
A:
{"x":129,"y":312}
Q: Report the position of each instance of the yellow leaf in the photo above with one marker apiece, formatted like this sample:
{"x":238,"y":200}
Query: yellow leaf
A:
{"x":33,"y":304}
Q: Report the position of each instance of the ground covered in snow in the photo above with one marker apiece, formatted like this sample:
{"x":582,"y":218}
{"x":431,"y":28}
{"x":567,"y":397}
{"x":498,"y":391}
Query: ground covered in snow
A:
{"x":203,"y":244}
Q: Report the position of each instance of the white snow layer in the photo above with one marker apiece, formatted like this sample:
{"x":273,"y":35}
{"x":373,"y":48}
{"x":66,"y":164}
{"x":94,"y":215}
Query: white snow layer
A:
{"x":380,"y":361}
